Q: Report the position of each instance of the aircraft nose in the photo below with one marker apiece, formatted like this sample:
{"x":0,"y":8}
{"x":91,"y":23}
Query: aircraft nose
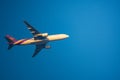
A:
{"x":67,"y":36}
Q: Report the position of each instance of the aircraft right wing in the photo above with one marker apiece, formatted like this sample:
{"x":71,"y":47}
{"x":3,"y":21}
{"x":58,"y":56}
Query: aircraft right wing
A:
{"x":34,"y":31}
{"x":39,"y":47}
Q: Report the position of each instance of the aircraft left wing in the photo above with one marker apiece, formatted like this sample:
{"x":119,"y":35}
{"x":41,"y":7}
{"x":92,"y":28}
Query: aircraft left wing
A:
{"x":38,"y":49}
{"x":34,"y":31}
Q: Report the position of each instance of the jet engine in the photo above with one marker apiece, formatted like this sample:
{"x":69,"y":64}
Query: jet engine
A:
{"x":43,"y":34}
{"x":48,"y":47}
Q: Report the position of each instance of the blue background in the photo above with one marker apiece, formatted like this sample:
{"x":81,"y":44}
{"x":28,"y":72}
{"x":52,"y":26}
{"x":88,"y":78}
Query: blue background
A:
{"x":92,"y":52}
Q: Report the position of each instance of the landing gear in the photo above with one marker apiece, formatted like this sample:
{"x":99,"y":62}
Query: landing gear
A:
{"x":47,"y":47}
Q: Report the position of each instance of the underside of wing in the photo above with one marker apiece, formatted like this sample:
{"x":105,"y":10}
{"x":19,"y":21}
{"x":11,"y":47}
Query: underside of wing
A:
{"x":33,"y":31}
{"x":38,"y":49}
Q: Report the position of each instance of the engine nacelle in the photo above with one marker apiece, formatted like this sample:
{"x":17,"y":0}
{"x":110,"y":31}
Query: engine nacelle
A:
{"x":48,"y":47}
{"x":43,"y":34}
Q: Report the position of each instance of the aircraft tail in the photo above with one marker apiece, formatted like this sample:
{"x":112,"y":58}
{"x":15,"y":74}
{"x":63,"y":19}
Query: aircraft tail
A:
{"x":10,"y":40}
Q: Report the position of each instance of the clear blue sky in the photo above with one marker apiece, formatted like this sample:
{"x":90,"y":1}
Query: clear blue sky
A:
{"x":91,"y":53}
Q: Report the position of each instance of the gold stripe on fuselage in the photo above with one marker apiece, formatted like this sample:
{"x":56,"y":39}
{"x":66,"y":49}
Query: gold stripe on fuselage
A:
{"x":18,"y":41}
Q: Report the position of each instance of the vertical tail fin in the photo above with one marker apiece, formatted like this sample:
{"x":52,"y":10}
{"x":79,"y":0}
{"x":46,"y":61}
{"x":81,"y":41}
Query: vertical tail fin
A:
{"x":10,"y":40}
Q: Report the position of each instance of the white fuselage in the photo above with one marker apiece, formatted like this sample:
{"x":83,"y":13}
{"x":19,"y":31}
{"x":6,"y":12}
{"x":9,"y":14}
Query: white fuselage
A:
{"x":41,"y":41}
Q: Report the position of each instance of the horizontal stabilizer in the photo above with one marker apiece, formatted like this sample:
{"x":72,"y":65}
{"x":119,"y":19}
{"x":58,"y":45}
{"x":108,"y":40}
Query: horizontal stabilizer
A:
{"x":10,"y":40}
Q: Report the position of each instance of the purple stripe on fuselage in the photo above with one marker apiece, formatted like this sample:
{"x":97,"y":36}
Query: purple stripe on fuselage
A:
{"x":22,"y":41}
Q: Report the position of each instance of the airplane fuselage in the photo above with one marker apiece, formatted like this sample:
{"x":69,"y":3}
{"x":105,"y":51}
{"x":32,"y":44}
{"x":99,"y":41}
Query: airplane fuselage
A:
{"x":41,"y":41}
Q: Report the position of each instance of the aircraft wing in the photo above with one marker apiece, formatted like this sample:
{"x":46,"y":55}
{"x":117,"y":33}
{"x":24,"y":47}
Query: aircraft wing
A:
{"x":33,"y":31}
{"x":39,"y":47}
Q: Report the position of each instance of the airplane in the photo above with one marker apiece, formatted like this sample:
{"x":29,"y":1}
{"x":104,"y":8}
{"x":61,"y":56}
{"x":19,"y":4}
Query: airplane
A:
{"x":39,"y":39}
